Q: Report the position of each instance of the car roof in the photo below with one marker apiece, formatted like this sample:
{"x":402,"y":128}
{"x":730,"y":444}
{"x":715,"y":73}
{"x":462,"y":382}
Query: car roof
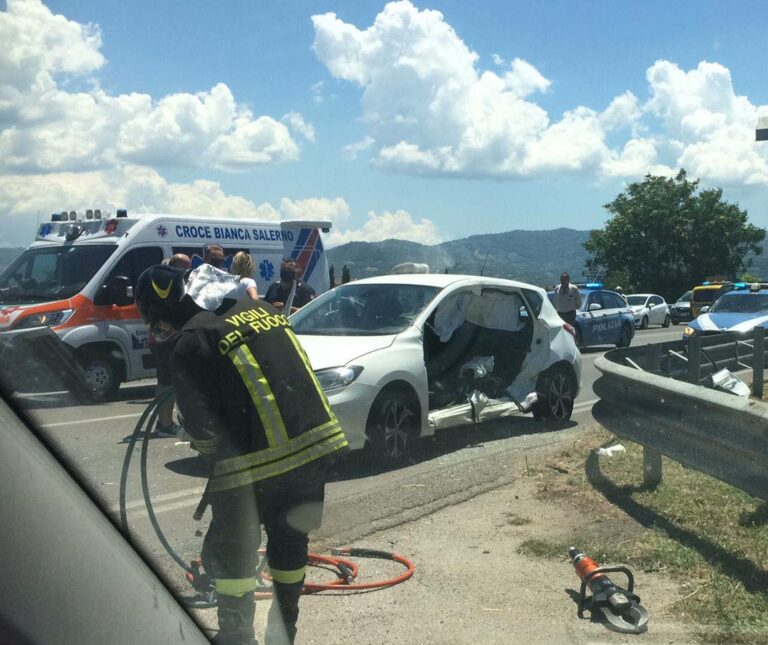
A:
{"x":644,"y":295}
{"x":442,"y":280}
{"x":744,"y":292}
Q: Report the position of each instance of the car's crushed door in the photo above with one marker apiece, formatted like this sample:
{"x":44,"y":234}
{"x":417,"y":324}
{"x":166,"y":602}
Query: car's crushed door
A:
{"x":475,"y":346}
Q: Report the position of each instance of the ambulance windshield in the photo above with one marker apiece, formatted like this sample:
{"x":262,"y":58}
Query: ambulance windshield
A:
{"x":51,"y":273}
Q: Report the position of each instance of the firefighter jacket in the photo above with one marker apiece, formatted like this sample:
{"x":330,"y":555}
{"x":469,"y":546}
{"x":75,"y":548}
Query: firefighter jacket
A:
{"x":249,"y":396}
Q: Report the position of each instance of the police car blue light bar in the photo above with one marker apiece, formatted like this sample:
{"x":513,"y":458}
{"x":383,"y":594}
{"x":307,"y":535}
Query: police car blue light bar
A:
{"x":593,"y":285}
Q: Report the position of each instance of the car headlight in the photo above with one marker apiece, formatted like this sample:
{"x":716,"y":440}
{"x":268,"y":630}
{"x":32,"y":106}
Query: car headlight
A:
{"x":689,"y":331}
{"x":337,"y":377}
{"x":47,"y":319}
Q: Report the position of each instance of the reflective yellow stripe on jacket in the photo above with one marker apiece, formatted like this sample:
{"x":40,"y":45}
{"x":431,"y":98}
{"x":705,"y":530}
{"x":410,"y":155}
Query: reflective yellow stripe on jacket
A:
{"x":284,"y":453}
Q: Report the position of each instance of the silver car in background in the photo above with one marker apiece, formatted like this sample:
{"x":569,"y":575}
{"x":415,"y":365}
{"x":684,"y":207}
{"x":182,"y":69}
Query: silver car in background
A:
{"x":649,"y":309}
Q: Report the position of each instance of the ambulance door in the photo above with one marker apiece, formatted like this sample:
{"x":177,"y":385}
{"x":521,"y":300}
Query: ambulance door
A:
{"x":121,"y":323}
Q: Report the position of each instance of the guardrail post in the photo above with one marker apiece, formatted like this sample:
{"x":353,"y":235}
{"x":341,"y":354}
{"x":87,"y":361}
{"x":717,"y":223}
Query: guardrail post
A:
{"x":694,"y":360}
{"x":651,"y":467}
{"x":758,"y":362}
{"x":654,"y":358}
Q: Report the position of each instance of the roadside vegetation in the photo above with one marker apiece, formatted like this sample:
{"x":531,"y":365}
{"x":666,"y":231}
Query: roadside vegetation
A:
{"x":707,"y":535}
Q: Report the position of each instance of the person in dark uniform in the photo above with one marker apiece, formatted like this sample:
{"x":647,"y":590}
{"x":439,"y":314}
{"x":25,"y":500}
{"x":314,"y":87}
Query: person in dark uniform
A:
{"x":279,"y":292}
{"x":166,"y":426}
{"x":253,"y":406}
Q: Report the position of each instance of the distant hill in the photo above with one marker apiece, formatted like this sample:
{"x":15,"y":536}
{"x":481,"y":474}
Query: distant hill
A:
{"x":537,"y":257}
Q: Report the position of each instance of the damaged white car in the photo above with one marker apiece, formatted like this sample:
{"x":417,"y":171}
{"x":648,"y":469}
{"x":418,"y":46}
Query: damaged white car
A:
{"x":403,"y":356}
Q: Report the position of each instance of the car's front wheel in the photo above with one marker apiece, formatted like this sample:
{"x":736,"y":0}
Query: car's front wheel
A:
{"x":644,"y":323}
{"x":392,"y":425}
{"x":556,"y":391}
{"x":667,"y":321}
{"x":625,"y":338}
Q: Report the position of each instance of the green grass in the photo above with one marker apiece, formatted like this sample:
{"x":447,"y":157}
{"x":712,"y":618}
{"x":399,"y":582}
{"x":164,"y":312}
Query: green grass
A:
{"x":709,"y":536}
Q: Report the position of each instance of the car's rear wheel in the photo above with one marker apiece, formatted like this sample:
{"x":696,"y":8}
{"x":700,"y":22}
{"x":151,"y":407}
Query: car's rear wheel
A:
{"x":644,"y":323}
{"x":392,"y":425}
{"x":667,"y":321}
{"x":625,"y":337}
{"x":102,"y":374}
{"x":556,"y":390}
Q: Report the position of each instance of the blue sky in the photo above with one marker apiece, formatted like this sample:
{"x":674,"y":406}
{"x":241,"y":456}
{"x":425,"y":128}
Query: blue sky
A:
{"x":426,"y":121}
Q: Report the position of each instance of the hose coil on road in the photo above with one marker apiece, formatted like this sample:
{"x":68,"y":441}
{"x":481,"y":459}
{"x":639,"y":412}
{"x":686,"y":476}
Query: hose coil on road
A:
{"x":346,"y":570}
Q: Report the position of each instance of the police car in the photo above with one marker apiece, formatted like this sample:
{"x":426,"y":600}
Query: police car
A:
{"x":741,"y":309}
{"x":604,"y":317}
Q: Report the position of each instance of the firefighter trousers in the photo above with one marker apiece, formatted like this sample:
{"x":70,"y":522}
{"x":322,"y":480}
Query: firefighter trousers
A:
{"x":289,"y":507}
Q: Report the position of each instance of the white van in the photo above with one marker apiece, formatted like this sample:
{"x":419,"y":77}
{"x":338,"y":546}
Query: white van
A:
{"x":78,"y":277}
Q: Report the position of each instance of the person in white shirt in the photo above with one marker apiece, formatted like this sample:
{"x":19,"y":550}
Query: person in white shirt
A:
{"x":242,"y":267}
{"x":567,"y":299}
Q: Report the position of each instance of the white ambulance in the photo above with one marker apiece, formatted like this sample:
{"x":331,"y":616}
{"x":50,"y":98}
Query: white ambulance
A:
{"x":78,"y":277}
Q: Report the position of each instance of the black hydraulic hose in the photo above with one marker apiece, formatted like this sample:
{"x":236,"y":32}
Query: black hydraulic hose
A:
{"x":150,"y":509}
{"x":151,"y":412}
{"x":347,"y":569}
{"x":146,"y":423}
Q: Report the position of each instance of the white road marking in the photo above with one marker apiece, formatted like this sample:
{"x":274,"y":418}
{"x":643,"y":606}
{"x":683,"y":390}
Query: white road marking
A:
{"x":77,"y":421}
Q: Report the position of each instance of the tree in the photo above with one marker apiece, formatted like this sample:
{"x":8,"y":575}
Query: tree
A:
{"x":345,"y":277}
{"x":665,"y":237}
{"x":331,"y":276}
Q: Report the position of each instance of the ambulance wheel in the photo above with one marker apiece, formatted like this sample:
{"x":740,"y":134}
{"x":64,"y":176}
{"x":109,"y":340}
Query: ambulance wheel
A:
{"x":556,"y":391}
{"x":392,"y":425}
{"x":101,"y":373}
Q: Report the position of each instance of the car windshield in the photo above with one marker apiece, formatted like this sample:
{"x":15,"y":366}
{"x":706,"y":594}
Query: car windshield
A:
{"x":363,"y":310}
{"x":636,"y":300}
{"x":704,"y":296}
{"x":51,"y":273}
{"x":686,"y":297}
{"x":741,"y":303}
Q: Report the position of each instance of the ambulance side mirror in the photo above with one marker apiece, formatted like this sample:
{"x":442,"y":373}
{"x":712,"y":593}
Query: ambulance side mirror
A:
{"x":118,"y":290}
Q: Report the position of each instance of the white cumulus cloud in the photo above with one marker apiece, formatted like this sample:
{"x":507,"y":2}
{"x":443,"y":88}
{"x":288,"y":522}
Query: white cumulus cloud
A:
{"x":144,"y":190}
{"x":47,"y":127}
{"x":316,"y":208}
{"x":431,"y":109}
{"x":388,"y":225}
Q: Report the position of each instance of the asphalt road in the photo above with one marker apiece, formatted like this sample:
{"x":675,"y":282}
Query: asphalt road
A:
{"x":456,"y":465}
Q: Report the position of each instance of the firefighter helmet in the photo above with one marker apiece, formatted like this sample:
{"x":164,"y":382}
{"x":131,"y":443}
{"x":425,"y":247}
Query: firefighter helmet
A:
{"x":159,"y":292}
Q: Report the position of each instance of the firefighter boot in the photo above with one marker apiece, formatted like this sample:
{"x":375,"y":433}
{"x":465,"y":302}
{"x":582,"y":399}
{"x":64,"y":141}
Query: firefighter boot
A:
{"x":283,"y":614}
{"x":236,"y":616}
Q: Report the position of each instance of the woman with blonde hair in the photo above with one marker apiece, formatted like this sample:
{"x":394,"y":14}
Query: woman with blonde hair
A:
{"x":242,"y":267}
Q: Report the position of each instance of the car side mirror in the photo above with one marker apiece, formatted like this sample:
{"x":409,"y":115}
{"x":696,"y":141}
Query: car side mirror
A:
{"x":118,"y":291}
{"x":704,"y":309}
{"x":595,"y":306}
{"x":651,"y":305}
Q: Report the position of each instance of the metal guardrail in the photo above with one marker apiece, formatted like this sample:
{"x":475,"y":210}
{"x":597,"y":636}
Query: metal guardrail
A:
{"x":696,"y":359}
{"x":711,"y":431}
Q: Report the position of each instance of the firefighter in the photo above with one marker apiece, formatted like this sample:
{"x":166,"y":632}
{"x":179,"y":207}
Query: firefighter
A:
{"x":252,"y":405}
